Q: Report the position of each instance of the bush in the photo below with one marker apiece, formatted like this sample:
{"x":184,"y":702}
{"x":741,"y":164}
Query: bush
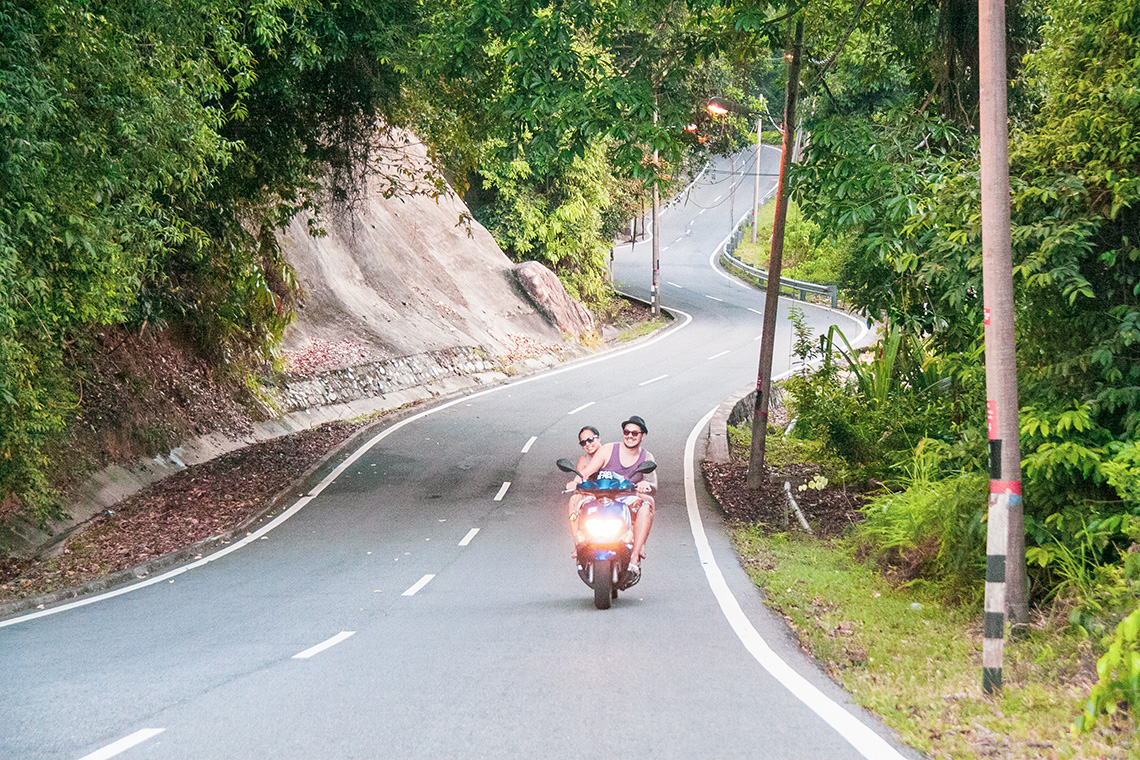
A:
{"x":1119,"y":671}
{"x":807,"y":254}
{"x":932,"y":532}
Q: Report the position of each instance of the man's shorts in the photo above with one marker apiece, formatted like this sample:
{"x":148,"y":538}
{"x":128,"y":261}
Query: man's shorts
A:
{"x":635,"y":503}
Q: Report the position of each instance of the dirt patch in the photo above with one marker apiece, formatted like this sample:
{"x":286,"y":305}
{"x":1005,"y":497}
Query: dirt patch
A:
{"x":829,"y":511}
{"x":142,"y":394}
{"x":193,"y":505}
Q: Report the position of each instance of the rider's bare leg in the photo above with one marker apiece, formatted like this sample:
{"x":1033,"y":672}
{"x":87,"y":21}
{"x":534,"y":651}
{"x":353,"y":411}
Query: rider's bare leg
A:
{"x":641,"y":526}
{"x":572,"y":515}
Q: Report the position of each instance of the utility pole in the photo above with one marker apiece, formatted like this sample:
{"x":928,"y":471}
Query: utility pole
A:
{"x":756,"y":183}
{"x":732,"y":194}
{"x":1005,"y":533}
{"x":656,"y":230}
{"x":775,"y":263}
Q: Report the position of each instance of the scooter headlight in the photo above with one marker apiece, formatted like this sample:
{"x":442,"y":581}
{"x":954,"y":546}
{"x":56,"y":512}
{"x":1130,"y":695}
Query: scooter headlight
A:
{"x":604,"y":528}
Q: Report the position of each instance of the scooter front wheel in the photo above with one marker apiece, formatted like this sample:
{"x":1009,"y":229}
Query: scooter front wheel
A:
{"x":603,"y":583}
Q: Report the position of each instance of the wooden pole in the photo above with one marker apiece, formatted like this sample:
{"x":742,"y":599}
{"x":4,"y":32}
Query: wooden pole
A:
{"x":775,"y":264}
{"x":1005,"y":595}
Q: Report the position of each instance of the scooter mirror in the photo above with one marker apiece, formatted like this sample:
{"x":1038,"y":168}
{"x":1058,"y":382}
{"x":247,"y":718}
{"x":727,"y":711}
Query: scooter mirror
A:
{"x":567,"y":466}
{"x":646,"y":467}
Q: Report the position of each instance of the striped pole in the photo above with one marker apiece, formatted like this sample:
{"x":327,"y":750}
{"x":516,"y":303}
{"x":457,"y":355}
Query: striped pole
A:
{"x":1006,"y":597}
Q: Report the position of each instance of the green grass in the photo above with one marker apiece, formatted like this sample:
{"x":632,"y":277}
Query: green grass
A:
{"x":641,"y":329}
{"x":917,"y":662}
{"x":804,"y":257}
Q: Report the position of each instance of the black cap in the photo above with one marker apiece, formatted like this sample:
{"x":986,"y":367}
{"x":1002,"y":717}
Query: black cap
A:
{"x":636,"y":421}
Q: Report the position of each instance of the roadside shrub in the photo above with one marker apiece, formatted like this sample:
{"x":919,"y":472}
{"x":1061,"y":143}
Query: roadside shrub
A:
{"x":1119,"y":672}
{"x":933,"y":532}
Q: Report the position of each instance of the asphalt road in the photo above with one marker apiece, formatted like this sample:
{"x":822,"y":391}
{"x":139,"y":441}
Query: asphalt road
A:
{"x":420,"y":600}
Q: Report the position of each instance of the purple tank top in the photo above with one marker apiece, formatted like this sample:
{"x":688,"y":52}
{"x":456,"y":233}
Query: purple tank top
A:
{"x":615,"y":466}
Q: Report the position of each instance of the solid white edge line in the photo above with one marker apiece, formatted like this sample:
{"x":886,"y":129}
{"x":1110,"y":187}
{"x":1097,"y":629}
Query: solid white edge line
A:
{"x":528,"y":444}
{"x":860,"y":736}
{"x":419,"y":585}
{"x":716,"y":356}
{"x":659,"y":377}
{"x":323,"y":645}
{"x":122,"y":745}
{"x":300,"y":503}
{"x":583,"y":406}
{"x":502,"y":490}
{"x":470,"y":535}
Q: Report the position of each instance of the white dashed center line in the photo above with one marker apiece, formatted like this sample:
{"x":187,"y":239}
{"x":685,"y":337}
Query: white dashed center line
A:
{"x":323,"y":645}
{"x":716,"y":356}
{"x":583,"y":406}
{"x":659,"y":377}
{"x":138,"y":737}
{"x":529,"y":443}
{"x":755,"y":312}
{"x":470,"y":535}
{"x":502,"y":491}
{"x":419,"y":585}
{"x":714,"y":298}
{"x":676,"y":285}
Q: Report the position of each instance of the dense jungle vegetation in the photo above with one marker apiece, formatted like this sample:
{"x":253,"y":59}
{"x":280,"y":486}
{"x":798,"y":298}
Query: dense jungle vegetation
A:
{"x":149,"y":152}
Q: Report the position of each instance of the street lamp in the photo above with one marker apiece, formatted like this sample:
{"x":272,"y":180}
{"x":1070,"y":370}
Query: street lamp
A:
{"x":720,"y":107}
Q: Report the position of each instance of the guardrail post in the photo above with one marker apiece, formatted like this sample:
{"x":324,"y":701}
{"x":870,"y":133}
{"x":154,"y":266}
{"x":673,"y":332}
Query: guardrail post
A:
{"x":833,"y":290}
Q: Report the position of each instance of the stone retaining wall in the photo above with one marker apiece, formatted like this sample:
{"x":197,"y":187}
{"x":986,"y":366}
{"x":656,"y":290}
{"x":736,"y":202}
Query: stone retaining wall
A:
{"x":378,"y":378}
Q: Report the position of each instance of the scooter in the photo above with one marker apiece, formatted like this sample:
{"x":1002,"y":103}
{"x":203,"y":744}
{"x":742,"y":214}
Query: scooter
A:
{"x":603,"y":533}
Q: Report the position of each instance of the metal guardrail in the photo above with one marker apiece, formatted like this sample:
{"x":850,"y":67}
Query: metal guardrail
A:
{"x":799,"y":287}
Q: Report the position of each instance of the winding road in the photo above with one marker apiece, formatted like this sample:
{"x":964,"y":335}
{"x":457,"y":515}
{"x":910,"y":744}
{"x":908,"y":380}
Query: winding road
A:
{"x":419,"y":599}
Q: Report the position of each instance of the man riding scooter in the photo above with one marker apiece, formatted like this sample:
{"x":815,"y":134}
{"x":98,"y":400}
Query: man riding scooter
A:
{"x":614,"y":460}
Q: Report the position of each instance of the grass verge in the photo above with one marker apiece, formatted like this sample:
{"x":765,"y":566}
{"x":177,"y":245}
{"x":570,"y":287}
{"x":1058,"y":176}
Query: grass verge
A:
{"x":917,"y":662}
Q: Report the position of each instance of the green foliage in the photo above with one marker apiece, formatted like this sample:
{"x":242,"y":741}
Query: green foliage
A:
{"x":548,"y":110}
{"x":934,"y":530}
{"x":807,"y":254}
{"x":110,"y":128}
{"x":559,"y":227}
{"x":803,"y":347}
{"x":1119,"y":677}
{"x":872,"y":413}
{"x":148,"y":153}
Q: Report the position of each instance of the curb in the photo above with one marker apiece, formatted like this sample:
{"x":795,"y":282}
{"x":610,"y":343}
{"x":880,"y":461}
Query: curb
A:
{"x":716,"y":448}
{"x":215,"y":543}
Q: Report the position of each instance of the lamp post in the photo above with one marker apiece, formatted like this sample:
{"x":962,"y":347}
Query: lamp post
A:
{"x":656,"y":235}
{"x":717,"y":107}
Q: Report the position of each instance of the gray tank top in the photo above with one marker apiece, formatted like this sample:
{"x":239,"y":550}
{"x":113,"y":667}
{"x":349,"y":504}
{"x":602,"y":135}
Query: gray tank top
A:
{"x":615,"y":466}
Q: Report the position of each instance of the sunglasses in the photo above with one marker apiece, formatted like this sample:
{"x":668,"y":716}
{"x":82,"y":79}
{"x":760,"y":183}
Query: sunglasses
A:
{"x":631,"y":433}
{"x":587,"y":441}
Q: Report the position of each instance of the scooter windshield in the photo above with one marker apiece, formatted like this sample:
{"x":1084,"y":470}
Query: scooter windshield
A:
{"x":606,"y":484}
